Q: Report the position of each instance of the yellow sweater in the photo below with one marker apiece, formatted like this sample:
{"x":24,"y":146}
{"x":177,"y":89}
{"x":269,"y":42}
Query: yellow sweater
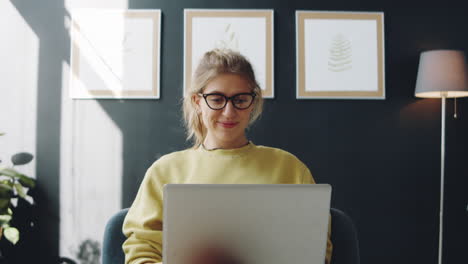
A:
{"x":250,"y":164}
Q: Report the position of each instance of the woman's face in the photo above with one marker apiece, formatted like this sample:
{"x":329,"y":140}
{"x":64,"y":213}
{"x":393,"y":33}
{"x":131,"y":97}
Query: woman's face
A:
{"x":225,"y":127}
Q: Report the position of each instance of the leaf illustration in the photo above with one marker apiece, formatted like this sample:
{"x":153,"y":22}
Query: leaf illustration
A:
{"x":228,"y":40}
{"x":340,"y":57}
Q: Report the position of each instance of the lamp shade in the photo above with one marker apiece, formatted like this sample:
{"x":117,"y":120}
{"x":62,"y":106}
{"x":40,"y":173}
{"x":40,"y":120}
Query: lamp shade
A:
{"x":442,"y":73}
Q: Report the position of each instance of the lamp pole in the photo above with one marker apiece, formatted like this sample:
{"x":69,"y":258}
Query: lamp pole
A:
{"x":442,"y":170}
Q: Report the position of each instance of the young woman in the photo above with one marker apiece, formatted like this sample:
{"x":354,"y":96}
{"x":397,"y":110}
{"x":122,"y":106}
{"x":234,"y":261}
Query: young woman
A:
{"x":224,"y":99}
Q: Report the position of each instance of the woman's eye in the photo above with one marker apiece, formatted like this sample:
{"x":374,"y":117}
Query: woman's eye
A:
{"x":216,"y":100}
{"x":239,"y":101}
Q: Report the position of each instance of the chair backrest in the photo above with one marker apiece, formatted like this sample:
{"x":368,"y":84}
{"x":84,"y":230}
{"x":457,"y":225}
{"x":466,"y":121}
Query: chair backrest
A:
{"x":344,"y":239}
{"x":343,"y":236}
{"x":113,"y":239}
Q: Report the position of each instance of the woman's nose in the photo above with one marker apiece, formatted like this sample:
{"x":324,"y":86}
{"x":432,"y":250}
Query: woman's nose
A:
{"x":229,"y":109}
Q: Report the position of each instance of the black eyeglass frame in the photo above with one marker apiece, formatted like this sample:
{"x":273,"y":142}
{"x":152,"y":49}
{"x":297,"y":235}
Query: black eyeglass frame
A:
{"x":227,"y":99}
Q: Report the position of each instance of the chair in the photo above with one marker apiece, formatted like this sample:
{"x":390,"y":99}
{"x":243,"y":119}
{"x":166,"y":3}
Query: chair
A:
{"x":113,"y":239}
{"x":343,"y":236}
{"x":344,"y":239}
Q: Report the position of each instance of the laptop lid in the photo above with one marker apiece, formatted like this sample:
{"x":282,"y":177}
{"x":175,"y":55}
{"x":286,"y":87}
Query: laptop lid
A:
{"x":259,"y":223}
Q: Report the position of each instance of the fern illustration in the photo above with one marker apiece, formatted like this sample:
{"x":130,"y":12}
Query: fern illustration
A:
{"x":340,"y":58}
{"x":229,"y":39}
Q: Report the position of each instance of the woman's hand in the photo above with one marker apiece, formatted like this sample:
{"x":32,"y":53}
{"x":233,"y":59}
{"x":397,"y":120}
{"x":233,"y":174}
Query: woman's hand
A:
{"x":212,"y":255}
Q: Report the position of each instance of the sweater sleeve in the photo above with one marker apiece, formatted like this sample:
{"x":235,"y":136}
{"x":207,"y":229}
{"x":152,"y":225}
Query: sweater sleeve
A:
{"x":143,"y":223}
{"x":308,"y":179}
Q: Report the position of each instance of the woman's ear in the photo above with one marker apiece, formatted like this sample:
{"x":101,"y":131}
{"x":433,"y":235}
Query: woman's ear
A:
{"x":196,"y":101}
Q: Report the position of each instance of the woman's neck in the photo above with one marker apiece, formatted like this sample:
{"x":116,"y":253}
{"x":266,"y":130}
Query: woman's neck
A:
{"x":211,"y":145}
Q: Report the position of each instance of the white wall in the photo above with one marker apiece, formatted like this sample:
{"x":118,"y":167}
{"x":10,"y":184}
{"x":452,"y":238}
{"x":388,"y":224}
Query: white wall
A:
{"x":18,"y":87}
{"x":91,"y":144}
{"x":91,"y":161}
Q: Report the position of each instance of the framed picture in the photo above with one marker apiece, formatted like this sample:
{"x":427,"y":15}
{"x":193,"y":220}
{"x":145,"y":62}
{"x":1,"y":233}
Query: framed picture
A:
{"x":248,"y":31}
{"x":115,"y":53}
{"x":340,"y":55}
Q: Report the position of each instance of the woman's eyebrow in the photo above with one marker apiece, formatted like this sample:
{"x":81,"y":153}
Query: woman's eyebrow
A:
{"x":214,"y":92}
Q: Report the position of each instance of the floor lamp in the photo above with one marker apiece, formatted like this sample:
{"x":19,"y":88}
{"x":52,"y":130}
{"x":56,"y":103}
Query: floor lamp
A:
{"x":442,"y":74}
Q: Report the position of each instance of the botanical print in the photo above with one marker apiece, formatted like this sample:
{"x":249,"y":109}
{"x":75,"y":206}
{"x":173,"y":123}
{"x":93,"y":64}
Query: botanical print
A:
{"x":115,"y":53}
{"x":249,"y":32}
{"x":341,"y":53}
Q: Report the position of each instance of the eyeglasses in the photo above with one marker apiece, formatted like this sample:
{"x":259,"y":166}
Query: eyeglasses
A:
{"x":217,"y":101}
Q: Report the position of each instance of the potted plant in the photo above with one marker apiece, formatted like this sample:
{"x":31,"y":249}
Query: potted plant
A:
{"x":13,"y":186}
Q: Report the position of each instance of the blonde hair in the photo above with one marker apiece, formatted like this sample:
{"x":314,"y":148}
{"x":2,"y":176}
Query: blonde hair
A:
{"x":212,"y":64}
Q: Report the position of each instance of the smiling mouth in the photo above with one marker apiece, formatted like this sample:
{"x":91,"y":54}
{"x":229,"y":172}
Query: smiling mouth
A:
{"x":227,"y":124}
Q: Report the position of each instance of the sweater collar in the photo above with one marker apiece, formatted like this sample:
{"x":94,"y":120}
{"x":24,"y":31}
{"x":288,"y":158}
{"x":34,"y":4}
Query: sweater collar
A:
{"x":227,"y":152}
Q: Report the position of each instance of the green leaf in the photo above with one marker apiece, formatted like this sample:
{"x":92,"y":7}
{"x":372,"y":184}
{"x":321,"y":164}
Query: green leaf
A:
{"x":23,"y":179}
{"x":27,"y":181}
{"x":12,"y":234}
{"x":7,"y":182}
{"x":5,"y":219}
{"x":29,"y":199}
{"x":1,"y":133}
{"x":21,"y":158}
{"x":6,"y":187}
{"x":7,"y":211}
{"x":5,"y":191}
{"x":4,"y":205}
{"x":9,"y":172}
{"x":20,"y":190}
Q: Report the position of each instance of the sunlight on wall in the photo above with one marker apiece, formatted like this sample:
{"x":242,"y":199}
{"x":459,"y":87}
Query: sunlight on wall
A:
{"x":91,"y":172}
{"x":98,"y":59}
{"x":91,"y":161}
{"x":19,"y":48}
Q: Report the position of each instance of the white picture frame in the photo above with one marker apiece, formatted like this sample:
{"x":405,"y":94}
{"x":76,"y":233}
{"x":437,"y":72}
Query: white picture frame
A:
{"x":340,"y":55}
{"x":115,"y":54}
{"x":206,"y":29}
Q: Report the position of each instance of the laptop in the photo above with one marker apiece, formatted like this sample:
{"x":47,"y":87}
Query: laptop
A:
{"x":259,"y":223}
